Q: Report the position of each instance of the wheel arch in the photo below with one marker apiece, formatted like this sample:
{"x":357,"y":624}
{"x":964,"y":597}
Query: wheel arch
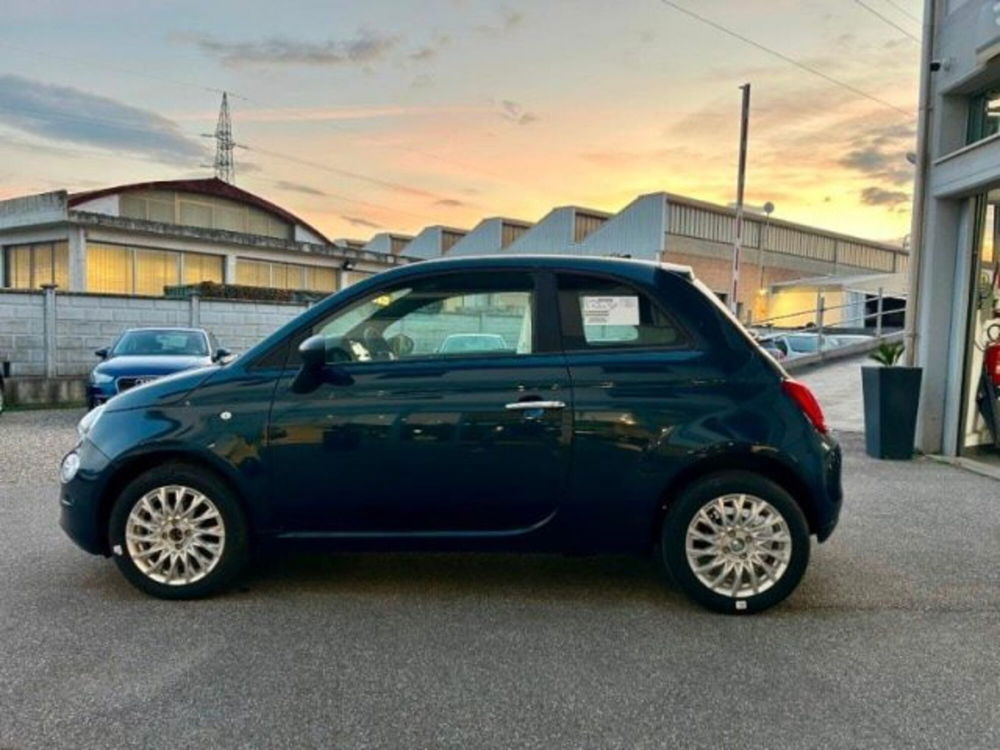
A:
{"x":765,"y":465}
{"x":134,"y":465}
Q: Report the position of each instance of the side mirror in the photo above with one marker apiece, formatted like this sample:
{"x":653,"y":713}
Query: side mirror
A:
{"x":317,"y":355}
{"x":313,"y":353}
{"x":102,"y":353}
{"x":221,"y":353}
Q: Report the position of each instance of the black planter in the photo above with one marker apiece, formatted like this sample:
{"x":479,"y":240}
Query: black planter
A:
{"x":892,"y":395}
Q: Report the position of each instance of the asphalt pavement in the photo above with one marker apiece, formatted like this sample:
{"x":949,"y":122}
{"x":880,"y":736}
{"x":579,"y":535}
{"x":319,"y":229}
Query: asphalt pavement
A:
{"x":892,"y":639}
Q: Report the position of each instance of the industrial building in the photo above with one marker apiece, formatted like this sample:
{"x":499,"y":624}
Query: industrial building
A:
{"x":137,"y":239}
{"x":673,"y":228}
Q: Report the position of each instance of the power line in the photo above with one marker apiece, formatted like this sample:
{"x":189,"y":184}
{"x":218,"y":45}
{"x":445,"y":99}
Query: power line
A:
{"x":887,"y":20}
{"x":348,"y":199}
{"x":902,"y":10}
{"x":790,"y":60}
{"x":349,"y":174}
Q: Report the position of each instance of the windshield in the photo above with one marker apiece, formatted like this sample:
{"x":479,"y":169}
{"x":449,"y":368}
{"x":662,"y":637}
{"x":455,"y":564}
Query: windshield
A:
{"x":154,"y":342}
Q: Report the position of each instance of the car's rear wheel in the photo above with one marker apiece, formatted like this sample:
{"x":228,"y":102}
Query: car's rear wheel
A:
{"x":735,"y":542}
{"x":177,"y":532}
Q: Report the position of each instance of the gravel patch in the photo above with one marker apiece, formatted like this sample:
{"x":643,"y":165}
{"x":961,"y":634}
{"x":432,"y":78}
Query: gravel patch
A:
{"x":32,"y":443}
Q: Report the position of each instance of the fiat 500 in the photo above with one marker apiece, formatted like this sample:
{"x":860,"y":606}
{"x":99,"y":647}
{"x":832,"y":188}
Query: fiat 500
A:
{"x":626,"y":412}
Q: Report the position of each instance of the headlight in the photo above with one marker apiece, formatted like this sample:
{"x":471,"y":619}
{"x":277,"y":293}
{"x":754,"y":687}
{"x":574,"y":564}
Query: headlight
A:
{"x":89,"y":420}
{"x":101,"y":378}
{"x":70,"y":465}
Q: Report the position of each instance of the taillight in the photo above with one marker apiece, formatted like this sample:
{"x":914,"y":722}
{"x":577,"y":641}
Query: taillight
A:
{"x":807,"y":402}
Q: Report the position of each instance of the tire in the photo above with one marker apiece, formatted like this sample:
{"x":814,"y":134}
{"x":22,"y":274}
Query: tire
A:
{"x":198,"y":554}
{"x":753,"y":507}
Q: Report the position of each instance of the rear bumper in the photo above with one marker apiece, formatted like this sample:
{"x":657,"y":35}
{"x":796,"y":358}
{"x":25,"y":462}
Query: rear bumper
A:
{"x":832,"y":491}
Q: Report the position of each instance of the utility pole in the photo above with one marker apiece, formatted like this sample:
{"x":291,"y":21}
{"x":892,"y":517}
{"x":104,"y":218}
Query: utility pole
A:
{"x":740,"y":185}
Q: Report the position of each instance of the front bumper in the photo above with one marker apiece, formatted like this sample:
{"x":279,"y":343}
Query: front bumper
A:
{"x":81,"y":514}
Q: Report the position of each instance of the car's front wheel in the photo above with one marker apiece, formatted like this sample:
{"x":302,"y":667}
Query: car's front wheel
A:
{"x":177,"y":532}
{"x":735,"y":542}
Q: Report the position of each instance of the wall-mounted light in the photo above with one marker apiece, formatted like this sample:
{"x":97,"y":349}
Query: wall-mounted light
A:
{"x":347,"y":265}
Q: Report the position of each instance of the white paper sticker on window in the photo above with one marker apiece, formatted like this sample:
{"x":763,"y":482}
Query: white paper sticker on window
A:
{"x":610,"y":311}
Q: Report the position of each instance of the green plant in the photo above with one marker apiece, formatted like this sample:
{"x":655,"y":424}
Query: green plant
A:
{"x":888,"y":353}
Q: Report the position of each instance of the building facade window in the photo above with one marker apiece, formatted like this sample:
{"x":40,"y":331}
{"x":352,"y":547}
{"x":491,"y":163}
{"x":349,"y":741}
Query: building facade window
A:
{"x":449,"y":239}
{"x":121,"y":269}
{"x":586,"y":224}
{"x":30,"y":266}
{"x":207,"y":212}
{"x":397,"y":243}
{"x":276,"y":275}
{"x":510,"y":233}
{"x":984,"y":116}
{"x":702,"y":224}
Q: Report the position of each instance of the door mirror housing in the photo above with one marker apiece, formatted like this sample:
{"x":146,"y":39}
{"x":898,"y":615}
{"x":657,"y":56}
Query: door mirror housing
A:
{"x":102,"y":353}
{"x":221,"y":353}
{"x":313,"y":353}
{"x":318,"y":353}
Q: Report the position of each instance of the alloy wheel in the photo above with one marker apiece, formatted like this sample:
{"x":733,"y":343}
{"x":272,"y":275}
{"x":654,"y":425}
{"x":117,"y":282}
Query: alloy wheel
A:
{"x":738,"y":545}
{"x":175,"y":535}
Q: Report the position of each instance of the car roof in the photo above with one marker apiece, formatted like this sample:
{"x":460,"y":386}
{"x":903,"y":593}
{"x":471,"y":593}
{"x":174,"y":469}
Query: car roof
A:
{"x":594,"y":263}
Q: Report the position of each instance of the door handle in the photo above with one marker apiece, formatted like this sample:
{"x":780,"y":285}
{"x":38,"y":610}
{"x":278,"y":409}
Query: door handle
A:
{"x":534,"y":405}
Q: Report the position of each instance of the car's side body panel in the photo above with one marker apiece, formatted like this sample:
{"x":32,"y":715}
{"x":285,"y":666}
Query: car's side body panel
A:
{"x":424,"y":454}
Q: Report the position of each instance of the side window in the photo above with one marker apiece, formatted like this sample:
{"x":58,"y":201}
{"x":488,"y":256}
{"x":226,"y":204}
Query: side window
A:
{"x":599,"y":313}
{"x":453,"y":315}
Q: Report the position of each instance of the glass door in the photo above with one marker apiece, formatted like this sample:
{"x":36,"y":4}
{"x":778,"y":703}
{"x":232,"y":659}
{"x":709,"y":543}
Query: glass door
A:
{"x":978,"y":435}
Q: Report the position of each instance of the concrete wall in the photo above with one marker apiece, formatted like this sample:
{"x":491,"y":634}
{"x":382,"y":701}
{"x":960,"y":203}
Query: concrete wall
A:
{"x":33,"y":209}
{"x":82,"y":323}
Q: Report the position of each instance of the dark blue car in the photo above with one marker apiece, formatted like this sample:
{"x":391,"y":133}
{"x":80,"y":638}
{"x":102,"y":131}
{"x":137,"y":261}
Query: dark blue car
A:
{"x":627,"y":412}
{"x":141,"y":355}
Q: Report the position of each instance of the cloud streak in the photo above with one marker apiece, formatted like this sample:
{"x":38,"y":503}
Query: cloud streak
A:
{"x":365,"y":48}
{"x":513,"y":112}
{"x":357,"y":221}
{"x":70,"y":115}
{"x":880,"y":152}
{"x":297,"y":187}
{"x":509,"y":20}
{"x":876,"y":196}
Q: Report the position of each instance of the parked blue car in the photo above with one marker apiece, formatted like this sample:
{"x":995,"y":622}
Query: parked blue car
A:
{"x":141,"y":355}
{"x":628,"y":413}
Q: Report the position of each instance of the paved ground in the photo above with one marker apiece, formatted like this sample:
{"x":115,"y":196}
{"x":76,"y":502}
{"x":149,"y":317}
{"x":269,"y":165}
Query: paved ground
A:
{"x":838,"y":387}
{"x":891,"y":641}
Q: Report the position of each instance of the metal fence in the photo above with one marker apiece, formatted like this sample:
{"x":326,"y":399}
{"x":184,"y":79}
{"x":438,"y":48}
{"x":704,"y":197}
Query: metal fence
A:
{"x":852,"y":324}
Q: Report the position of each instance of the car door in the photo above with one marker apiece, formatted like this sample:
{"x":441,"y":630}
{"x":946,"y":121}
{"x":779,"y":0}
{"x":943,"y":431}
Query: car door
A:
{"x":413,"y":439}
{"x":636,"y":379}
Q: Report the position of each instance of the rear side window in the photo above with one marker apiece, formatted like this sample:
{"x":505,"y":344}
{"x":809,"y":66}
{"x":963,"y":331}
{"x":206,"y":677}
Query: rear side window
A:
{"x":600,"y":313}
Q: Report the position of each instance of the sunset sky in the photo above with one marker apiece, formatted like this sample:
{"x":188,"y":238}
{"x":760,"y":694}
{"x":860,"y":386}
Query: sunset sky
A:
{"x":367,"y":116}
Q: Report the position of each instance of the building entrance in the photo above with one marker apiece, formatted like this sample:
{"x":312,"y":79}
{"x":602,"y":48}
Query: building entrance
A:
{"x":979,"y":435}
